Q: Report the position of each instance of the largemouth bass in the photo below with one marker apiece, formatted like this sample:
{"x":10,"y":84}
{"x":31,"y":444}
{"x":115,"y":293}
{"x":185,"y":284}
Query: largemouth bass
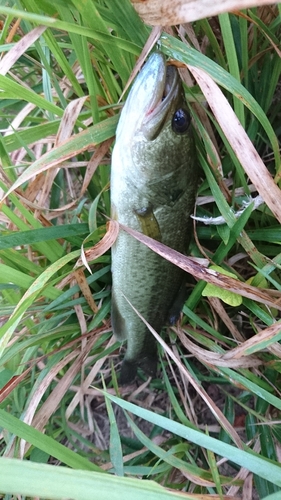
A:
{"x":153,"y":186}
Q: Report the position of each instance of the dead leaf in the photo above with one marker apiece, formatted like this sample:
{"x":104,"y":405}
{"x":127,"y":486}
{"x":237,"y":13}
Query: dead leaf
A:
{"x":254,"y":343}
{"x":240,"y":142}
{"x":68,"y":121}
{"x":215,"y":358}
{"x":102,"y":246}
{"x":12,"y":384}
{"x":94,"y":162}
{"x":20,"y":48}
{"x":85,"y":289}
{"x":203,"y":273}
{"x":171,"y":12}
{"x":86,"y":384}
{"x":200,"y":390}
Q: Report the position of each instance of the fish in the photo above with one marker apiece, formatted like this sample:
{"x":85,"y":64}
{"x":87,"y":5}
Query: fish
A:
{"x":153,"y":183}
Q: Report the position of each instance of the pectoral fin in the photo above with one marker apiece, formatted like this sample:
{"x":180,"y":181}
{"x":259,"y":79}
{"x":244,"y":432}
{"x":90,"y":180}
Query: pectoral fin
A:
{"x":149,"y":223}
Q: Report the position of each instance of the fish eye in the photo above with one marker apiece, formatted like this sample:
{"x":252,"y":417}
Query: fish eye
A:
{"x":181,"y":121}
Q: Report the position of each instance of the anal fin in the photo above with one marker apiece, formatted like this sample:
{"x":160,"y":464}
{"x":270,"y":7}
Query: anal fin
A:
{"x":117,"y":321}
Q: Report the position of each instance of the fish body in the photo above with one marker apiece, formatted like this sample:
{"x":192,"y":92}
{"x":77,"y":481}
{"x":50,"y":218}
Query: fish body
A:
{"x":153,"y":186}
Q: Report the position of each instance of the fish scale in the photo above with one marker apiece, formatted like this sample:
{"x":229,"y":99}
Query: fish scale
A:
{"x":153,"y":186}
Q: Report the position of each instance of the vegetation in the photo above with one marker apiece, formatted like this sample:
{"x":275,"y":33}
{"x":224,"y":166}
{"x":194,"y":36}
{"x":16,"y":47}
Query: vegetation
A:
{"x":209,"y":425}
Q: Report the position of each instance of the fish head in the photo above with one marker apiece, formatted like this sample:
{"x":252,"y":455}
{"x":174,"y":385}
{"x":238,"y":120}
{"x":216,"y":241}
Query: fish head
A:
{"x":155,"y":125}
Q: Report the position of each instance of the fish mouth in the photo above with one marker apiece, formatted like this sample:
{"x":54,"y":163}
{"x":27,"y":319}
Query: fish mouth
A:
{"x":152,"y":99}
{"x":165,"y":97}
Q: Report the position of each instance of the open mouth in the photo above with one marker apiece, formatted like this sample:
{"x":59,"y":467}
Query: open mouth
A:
{"x":165,"y":89}
{"x":150,"y":100}
{"x":164,"y":95}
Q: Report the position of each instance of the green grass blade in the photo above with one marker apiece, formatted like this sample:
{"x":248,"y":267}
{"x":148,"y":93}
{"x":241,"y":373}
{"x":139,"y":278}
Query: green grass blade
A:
{"x":78,"y":143}
{"x":249,"y":460}
{"x":231,"y":53}
{"x":48,"y":481}
{"x":44,"y":234}
{"x":44,"y":443}
{"x":178,"y":50}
